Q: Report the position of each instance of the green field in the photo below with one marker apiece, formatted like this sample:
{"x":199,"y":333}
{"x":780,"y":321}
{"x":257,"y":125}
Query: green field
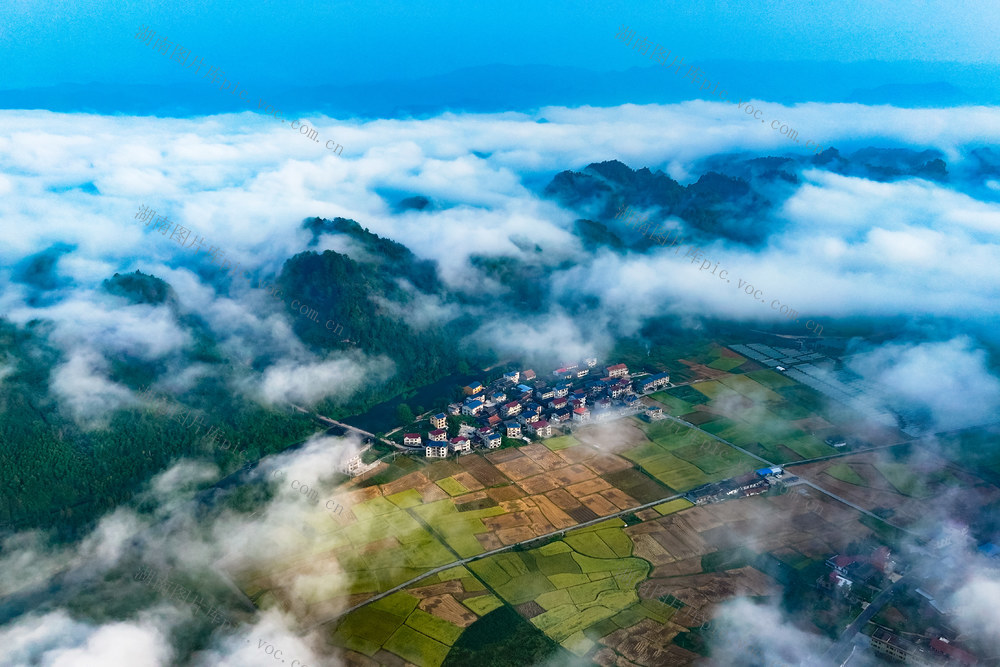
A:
{"x":583,"y":579}
{"x":483,"y":604}
{"x":904,"y":480}
{"x":672,"y":506}
{"x":687,"y":393}
{"x":771,"y":379}
{"x":726,"y":363}
{"x":459,"y":529}
{"x":432,"y":626}
{"x":845,"y":473}
{"x":750,"y":388}
{"x":672,"y":404}
{"x":560,"y":442}
{"x":416,"y":647}
{"x":452,"y":486}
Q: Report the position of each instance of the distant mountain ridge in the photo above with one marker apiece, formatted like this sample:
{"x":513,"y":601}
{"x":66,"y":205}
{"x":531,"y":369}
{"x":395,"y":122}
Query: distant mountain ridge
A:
{"x":497,"y":88}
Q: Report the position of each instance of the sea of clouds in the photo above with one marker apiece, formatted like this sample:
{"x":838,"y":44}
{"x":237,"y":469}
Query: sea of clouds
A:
{"x":70,"y":185}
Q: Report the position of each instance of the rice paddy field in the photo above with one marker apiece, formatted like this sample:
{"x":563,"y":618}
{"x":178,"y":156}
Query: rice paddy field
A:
{"x":606,"y":592}
{"x":628,"y":588}
{"x":760,"y":410}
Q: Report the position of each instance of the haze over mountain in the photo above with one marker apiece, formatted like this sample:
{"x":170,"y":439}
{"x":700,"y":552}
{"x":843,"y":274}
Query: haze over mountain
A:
{"x":497,"y":88}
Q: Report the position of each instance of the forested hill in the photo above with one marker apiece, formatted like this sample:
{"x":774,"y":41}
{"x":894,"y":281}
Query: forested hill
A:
{"x":732,"y":196}
{"x":57,"y":472}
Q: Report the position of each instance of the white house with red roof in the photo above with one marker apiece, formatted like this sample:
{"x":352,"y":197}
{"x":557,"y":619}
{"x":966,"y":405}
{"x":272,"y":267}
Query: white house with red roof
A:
{"x":617,"y":371}
{"x":460,"y":444}
{"x":412,"y":439}
{"x":542,"y":428}
{"x":511,"y":409}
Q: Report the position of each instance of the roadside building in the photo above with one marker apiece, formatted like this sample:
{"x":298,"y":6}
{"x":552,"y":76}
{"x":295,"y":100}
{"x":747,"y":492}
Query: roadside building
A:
{"x":460,"y":444}
{"x":529,"y":417}
{"x":617,"y":371}
{"x":891,"y":645}
{"x":561,"y":416}
{"x":542,"y":428}
{"x":472,"y":408}
{"x":352,"y":465}
{"x":412,"y":439}
{"x":473,"y":389}
{"x":652,"y":383}
{"x":951,"y":653}
{"x":544,"y":392}
{"x":511,"y":409}
{"x":440,"y":420}
{"x":436,"y":451}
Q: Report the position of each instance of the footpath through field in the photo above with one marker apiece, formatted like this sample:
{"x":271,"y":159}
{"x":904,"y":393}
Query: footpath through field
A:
{"x":485,"y":554}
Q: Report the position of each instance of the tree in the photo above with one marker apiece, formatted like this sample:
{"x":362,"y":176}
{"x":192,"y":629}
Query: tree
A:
{"x":404,"y":414}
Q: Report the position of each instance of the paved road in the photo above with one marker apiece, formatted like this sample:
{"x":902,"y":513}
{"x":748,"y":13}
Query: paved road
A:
{"x":492,"y":552}
{"x":486,"y":554}
{"x":803,"y":480}
{"x":347,"y":426}
{"x":840,"y":650}
{"x":848,"y":453}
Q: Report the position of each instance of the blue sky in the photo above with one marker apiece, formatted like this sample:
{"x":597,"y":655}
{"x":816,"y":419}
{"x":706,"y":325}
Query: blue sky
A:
{"x":307,"y":43}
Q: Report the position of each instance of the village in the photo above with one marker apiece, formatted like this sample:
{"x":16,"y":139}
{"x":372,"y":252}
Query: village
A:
{"x":520,"y":405}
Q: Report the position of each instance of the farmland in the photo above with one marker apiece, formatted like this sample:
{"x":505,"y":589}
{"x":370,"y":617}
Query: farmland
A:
{"x":629,"y":588}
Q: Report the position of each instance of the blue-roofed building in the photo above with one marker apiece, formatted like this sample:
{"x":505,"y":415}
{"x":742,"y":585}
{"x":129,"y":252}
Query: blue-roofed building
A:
{"x":764,"y":472}
{"x":652,"y":382}
{"x":472,"y":408}
{"x":473,"y":388}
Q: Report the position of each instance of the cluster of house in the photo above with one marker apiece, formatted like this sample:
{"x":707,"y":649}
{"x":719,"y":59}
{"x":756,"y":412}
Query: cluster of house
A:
{"x":513,"y":408}
{"x":849,"y":574}
{"x":750,"y":484}
{"x":938,"y":651}
{"x":859,"y":577}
